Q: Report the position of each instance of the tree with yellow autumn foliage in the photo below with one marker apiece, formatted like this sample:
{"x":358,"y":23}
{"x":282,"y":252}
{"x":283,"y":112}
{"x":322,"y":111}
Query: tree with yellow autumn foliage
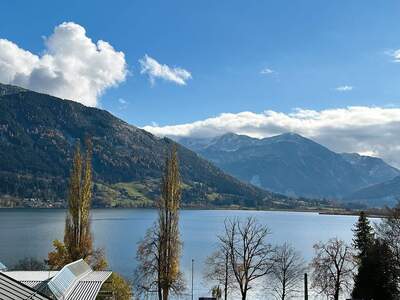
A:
{"x":77,"y":235}
{"x":159,"y":253}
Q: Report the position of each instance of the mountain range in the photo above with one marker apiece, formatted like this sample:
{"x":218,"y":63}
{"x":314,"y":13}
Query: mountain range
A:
{"x":294,"y":165}
{"x":38,"y":133}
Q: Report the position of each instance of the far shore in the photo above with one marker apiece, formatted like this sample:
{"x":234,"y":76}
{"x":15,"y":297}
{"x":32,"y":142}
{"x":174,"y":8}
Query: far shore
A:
{"x":325,"y":211}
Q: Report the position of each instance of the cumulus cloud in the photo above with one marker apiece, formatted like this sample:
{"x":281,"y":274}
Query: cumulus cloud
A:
{"x":72,"y":66}
{"x":372,"y":130}
{"x":155,"y":70}
{"x":344,"y":88}
{"x":267,"y":71}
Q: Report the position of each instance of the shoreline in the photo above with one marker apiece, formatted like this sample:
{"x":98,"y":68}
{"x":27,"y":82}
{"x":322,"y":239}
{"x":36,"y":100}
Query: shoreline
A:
{"x":332,"y":212}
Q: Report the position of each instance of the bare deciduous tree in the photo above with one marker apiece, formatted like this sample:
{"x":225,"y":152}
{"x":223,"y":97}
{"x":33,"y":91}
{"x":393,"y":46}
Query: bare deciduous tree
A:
{"x":332,"y":268}
{"x":287,"y":272}
{"x":250,"y":256}
{"x":218,"y":269}
{"x":147,"y":274}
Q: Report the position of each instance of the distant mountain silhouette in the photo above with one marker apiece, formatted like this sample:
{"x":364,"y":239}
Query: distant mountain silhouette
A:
{"x":385,"y":193}
{"x":292,"y":164}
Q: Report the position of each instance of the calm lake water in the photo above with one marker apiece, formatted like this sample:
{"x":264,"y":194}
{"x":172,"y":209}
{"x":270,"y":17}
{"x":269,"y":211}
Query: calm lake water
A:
{"x":28,"y":232}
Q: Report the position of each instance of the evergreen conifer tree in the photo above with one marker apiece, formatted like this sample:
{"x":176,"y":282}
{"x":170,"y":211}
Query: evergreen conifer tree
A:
{"x":363,"y":235}
{"x":376,"y":277}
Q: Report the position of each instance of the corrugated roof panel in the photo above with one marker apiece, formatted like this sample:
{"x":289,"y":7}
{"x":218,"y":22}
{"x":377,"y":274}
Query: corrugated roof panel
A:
{"x":86,"y":290}
{"x":11,"y":289}
{"x":75,"y":281}
{"x":32,"y":284}
{"x":89,"y":286}
{"x":97,"y":276}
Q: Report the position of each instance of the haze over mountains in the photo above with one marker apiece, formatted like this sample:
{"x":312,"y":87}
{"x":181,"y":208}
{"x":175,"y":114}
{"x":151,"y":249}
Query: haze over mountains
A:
{"x":293,"y":165}
{"x":38,"y":133}
{"x":385,"y":193}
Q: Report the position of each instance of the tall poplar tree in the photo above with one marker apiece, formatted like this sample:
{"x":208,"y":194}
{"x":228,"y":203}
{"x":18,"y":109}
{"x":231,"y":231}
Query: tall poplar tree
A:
{"x":159,"y":252}
{"x":168,"y":224}
{"x":77,"y":235}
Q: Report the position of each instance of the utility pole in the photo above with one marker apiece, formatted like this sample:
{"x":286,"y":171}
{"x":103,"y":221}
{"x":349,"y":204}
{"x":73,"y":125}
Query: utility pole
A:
{"x":192,"y":275}
{"x":305,"y":287}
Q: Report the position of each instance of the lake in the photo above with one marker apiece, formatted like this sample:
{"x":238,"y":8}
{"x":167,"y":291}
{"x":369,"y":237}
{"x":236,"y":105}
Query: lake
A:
{"x":29,"y":233}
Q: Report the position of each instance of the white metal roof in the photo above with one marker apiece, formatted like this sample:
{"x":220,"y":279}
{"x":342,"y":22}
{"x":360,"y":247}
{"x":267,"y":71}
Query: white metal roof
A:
{"x":31,"y":275}
{"x":75,"y":281}
{"x":11,"y":289}
{"x":85,"y":290}
{"x":65,"y":280}
{"x":89,"y":286}
{"x":97,"y":276}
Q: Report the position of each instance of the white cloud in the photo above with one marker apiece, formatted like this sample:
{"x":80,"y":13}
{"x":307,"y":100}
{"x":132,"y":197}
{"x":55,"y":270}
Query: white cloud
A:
{"x":72,"y":66}
{"x":353,"y":129}
{"x":155,"y":70}
{"x":122,"y":104}
{"x":369,"y":153}
{"x":344,"y":88}
{"x":395,"y":54}
{"x":267,"y":71}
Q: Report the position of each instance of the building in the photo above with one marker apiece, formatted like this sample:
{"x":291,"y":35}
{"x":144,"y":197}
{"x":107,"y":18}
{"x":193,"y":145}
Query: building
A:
{"x":74,"y":281}
{"x":11,"y":289}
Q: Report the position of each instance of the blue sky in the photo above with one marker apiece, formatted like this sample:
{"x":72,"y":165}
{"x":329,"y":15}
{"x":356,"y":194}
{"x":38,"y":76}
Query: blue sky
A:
{"x":333,"y":61}
{"x":312,"y":47}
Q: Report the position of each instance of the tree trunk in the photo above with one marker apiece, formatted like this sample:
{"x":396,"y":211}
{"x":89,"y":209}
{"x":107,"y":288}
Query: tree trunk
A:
{"x":226,"y":278}
{"x":336,"y":296}
{"x":159,"y":293}
{"x":165,"y":293}
{"x":337,"y":288}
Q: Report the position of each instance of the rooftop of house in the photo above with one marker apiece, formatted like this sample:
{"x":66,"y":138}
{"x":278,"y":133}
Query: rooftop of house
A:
{"x":11,"y":289}
{"x":73,"y":282}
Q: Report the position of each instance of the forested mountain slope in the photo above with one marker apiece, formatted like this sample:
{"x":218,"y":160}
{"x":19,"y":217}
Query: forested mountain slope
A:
{"x":37,"y":137}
